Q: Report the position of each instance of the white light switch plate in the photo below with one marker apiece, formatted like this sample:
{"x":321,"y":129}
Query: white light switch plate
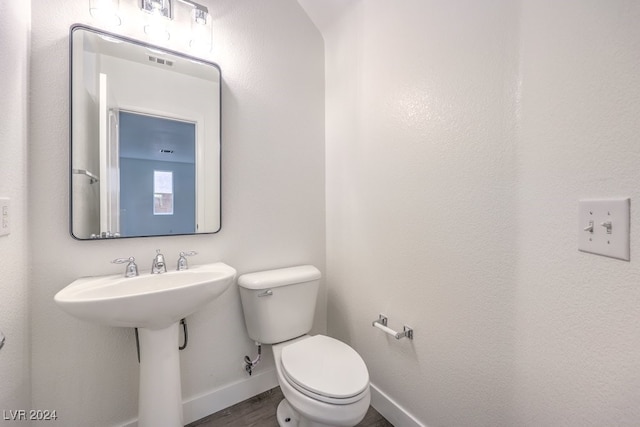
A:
{"x":4,"y":216}
{"x":610,"y":241}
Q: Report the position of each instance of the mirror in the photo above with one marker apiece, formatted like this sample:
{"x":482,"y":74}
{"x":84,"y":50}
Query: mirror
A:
{"x":145,"y":139}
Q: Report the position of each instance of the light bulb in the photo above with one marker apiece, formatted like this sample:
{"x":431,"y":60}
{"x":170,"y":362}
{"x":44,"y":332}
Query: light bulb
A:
{"x":201,"y":32}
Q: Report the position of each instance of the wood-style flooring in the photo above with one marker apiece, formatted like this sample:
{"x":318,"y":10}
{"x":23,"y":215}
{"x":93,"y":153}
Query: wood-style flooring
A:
{"x":260,"y":411}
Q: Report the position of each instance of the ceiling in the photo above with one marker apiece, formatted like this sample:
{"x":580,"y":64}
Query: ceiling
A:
{"x":324,"y":12}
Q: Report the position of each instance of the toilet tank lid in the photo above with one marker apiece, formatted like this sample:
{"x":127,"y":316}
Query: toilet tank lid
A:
{"x":279,"y":277}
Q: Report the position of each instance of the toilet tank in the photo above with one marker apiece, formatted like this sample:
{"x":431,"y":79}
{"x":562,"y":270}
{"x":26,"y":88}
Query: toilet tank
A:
{"x":279,"y":305}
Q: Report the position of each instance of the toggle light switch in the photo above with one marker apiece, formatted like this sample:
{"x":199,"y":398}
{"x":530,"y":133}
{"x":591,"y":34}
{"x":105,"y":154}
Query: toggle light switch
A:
{"x":4,"y":215}
{"x":604,"y":227}
{"x":589,"y":227}
{"x":607,"y":225}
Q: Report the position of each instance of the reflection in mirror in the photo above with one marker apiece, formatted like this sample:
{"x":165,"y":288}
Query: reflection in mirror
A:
{"x":145,"y":139}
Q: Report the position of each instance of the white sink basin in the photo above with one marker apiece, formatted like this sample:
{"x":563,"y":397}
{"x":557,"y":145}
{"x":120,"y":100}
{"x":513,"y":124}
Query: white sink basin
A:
{"x":152,"y":301}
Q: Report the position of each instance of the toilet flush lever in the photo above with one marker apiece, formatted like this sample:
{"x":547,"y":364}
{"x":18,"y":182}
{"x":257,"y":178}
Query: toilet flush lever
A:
{"x":266,"y":293}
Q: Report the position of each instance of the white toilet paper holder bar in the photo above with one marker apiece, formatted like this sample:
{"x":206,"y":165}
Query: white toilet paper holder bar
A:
{"x":381,"y":323}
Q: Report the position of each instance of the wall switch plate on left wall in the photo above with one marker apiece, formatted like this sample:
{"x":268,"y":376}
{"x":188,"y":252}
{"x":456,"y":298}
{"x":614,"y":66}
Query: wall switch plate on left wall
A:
{"x":4,"y":211}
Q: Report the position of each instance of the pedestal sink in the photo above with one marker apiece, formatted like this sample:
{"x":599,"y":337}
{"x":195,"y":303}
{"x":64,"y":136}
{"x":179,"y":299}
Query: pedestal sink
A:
{"x":153,"y":303}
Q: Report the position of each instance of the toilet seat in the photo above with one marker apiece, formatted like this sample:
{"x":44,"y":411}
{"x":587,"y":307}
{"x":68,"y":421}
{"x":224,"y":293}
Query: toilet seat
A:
{"x":325,"y":369}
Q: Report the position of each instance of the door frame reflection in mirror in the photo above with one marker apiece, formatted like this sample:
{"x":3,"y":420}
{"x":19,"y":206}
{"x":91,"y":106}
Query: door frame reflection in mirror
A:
{"x":87,"y":192}
{"x":142,"y":160}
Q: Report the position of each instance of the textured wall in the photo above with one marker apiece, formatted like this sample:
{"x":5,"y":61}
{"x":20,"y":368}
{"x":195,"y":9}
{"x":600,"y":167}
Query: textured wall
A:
{"x":460,"y":136}
{"x":273,"y":205}
{"x":420,"y":200}
{"x":577,"y":336}
{"x":14,"y":261}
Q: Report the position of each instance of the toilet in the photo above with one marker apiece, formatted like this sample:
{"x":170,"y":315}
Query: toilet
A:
{"x":324,"y":381}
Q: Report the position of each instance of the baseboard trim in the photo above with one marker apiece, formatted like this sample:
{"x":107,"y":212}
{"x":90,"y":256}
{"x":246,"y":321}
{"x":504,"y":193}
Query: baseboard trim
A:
{"x":205,"y":404}
{"x":389,"y":408}
{"x":211,"y":402}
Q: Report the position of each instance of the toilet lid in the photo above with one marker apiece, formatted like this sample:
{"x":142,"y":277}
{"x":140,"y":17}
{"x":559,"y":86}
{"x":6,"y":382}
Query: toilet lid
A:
{"x":326,"y":367}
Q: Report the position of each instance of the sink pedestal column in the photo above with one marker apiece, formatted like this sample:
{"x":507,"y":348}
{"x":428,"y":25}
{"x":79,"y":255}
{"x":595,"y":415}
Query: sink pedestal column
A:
{"x":160,"y":395}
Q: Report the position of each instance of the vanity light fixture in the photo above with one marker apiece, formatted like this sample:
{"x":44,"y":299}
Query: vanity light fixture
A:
{"x":162,"y":8}
{"x":106,"y":12}
{"x":158,"y":14}
{"x":161,"y":11}
{"x":201,"y":29}
{"x":200,"y":12}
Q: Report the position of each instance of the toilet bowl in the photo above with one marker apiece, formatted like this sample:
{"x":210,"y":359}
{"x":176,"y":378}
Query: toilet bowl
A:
{"x":324,"y":381}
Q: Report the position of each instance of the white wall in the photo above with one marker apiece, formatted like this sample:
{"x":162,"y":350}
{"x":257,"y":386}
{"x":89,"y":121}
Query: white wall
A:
{"x":577,"y":325}
{"x":420,"y":200}
{"x":460,"y":136}
{"x":14,"y":262}
{"x":271,"y":58}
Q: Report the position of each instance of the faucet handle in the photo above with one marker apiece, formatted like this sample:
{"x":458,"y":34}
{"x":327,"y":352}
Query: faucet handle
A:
{"x":182,"y":261}
{"x":131,"y":269}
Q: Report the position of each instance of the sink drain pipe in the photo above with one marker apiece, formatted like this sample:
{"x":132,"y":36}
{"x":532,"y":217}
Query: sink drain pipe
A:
{"x":185,"y":332}
{"x":250,"y":364}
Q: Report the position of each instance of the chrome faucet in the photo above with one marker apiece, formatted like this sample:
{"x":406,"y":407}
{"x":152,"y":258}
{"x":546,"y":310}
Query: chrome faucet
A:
{"x":182,"y":261}
{"x":158,"y":266}
{"x":131,"y":270}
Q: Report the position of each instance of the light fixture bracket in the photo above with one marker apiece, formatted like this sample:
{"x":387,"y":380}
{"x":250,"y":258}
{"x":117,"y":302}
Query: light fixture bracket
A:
{"x":200,"y":12}
{"x":162,"y":8}
{"x":195,"y":5}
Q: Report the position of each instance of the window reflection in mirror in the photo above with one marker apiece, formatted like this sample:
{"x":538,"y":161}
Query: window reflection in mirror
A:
{"x":145,"y":139}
